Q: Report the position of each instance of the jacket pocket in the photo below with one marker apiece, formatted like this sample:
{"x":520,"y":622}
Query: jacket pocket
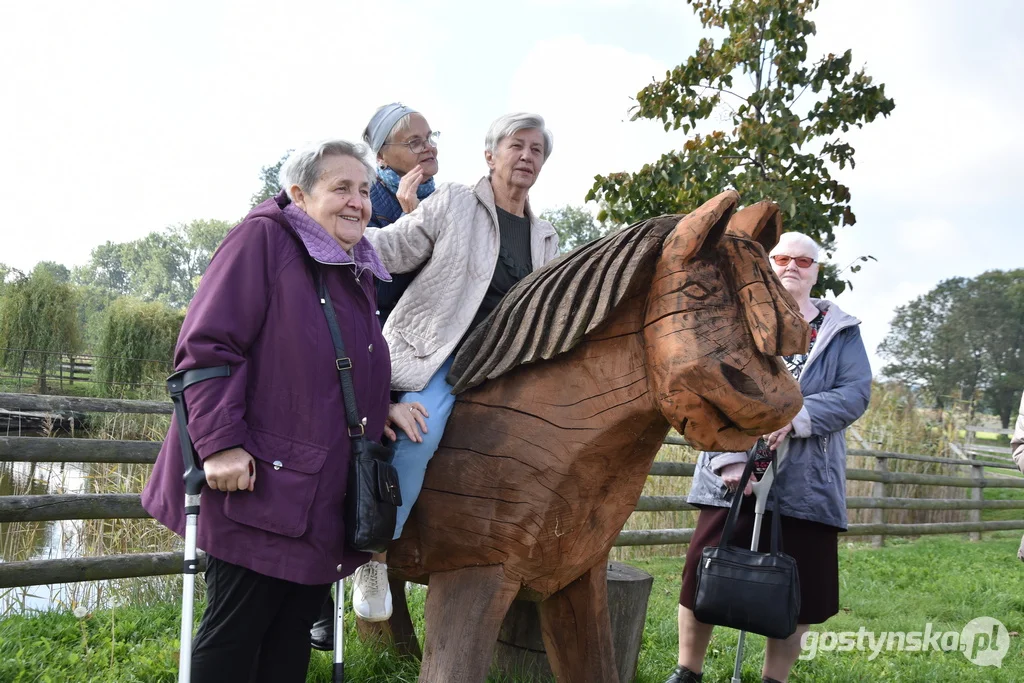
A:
{"x":286,"y":483}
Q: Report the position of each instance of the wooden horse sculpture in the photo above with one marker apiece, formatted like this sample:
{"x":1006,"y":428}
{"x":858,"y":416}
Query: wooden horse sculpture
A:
{"x":566,"y":393}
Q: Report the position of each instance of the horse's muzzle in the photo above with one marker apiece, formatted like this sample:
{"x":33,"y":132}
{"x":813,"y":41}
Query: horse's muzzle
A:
{"x":719,"y":407}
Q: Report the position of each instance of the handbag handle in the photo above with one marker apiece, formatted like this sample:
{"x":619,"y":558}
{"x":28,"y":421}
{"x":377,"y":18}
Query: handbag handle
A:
{"x":734,"y":509}
{"x":356,"y":428}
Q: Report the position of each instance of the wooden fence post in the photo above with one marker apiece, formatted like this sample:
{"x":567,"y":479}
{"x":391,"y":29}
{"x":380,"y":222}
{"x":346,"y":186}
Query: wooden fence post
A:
{"x":71,"y":369}
{"x":42,"y":372}
{"x":978,"y":473}
{"x":878,"y":491}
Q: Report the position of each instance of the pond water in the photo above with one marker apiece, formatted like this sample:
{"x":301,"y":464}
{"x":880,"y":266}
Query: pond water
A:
{"x":21,"y":541}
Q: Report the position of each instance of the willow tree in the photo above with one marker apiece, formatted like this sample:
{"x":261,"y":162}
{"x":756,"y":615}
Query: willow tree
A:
{"x":38,"y":323}
{"x":137,"y":344}
{"x":784,"y":118}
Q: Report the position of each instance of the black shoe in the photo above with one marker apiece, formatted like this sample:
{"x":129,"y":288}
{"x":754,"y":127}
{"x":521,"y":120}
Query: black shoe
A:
{"x":321,"y":636}
{"x":684,"y":675}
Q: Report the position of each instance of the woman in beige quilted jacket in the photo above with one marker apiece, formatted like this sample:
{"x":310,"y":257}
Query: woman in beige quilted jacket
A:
{"x":474,"y":244}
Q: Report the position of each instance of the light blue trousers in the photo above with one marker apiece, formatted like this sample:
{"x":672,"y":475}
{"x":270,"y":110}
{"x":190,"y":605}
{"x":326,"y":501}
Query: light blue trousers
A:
{"x":411,"y":458}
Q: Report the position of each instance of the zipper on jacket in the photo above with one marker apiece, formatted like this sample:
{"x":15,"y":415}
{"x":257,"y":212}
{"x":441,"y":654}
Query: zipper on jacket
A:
{"x":828,"y":464}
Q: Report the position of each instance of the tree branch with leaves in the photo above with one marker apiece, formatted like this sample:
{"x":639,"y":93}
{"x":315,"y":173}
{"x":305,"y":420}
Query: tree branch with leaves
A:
{"x":777,"y":146}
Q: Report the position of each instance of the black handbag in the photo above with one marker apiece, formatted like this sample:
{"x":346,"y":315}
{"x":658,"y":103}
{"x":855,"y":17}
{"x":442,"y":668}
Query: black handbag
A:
{"x":373,"y":494}
{"x":744,"y":589}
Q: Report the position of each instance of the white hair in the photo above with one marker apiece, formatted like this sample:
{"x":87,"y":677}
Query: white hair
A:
{"x":510,"y":124}
{"x":304,"y":166}
{"x":796,"y":238}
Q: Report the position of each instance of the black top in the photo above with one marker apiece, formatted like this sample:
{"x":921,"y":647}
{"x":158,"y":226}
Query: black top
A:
{"x":514,"y":262}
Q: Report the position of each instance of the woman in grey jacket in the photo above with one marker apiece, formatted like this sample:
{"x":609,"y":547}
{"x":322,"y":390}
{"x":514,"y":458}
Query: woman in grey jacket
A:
{"x":835,"y":379}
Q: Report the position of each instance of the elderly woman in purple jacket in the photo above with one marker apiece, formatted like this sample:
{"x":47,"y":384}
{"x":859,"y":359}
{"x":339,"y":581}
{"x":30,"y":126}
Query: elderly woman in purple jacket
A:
{"x":272,"y":436}
{"x":835,"y":380}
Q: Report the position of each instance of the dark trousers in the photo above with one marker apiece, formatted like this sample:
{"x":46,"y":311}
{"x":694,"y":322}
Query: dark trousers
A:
{"x":255,"y":627}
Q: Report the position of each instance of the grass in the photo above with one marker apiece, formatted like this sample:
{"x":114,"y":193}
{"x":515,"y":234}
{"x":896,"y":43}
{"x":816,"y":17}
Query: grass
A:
{"x":945,"y":581}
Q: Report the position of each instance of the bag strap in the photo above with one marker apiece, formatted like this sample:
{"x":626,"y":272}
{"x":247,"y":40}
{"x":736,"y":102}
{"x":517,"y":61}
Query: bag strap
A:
{"x":734,"y":509}
{"x":356,"y":428}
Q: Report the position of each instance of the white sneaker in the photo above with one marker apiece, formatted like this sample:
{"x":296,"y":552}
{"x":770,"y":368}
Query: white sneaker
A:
{"x":371,"y":594}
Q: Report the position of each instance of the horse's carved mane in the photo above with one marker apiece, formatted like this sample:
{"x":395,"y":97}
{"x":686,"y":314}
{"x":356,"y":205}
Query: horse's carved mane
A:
{"x":552,"y":309}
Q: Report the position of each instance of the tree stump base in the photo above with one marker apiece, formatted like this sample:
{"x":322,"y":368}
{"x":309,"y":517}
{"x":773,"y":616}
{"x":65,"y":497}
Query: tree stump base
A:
{"x":520,"y":651}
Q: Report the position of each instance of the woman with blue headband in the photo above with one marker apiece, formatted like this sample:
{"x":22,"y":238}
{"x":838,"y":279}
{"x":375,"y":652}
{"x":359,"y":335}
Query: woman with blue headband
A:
{"x":406,"y":151}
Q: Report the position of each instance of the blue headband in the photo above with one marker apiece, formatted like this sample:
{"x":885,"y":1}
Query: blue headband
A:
{"x":383,"y":121}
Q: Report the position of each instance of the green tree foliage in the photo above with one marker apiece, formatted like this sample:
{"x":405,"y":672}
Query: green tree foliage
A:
{"x":8,"y":274}
{"x":136,"y":333}
{"x":268,"y":174}
{"x":59,"y":272}
{"x":92,"y":305}
{"x":37,"y":313}
{"x":962,"y":339}
{"x":999,"y":316}
{"x":575,"y":226}
{"x":162,"y":266}
{"x":785,"y":118}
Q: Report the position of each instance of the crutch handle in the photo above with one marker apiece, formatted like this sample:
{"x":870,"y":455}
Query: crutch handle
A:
{"x":176,"y":385}
{"x":764,"y":484}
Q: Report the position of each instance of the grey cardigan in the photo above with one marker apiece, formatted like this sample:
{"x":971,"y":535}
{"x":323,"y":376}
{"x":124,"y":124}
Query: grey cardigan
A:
{"x":836,"y":385}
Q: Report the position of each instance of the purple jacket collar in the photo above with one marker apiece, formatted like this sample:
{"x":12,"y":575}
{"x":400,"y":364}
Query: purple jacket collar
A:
{"x":324,"y":249}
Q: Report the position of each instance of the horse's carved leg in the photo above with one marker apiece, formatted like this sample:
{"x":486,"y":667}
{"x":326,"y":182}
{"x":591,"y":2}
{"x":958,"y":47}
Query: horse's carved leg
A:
{"x":396,"y":632}
{"x":464,"y":611}
{"x":577,"y":630}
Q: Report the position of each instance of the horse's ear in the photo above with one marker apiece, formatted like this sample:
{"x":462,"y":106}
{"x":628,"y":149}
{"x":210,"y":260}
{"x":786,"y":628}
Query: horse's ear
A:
{"x":761,"y":222}
{"x":702,"y":228}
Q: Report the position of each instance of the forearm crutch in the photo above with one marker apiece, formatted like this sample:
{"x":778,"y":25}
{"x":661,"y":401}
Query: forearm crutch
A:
{"x":194,"y":480}
{"x":339,"y":632}
{"x":761,"y":488}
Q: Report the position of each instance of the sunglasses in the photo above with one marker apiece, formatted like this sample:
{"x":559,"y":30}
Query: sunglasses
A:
{"x":782,"y":260}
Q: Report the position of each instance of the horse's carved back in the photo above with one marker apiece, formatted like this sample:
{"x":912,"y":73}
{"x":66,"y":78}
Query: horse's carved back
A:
{"x":568,"y":389}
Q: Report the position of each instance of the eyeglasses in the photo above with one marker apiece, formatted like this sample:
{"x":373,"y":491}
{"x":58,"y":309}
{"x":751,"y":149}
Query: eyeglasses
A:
{"x":782,"y":260}
{"x":419,"y":145}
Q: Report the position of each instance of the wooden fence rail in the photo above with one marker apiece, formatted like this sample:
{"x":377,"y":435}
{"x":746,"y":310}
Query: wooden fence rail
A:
{"x":37,"y":449}
{"x":82,"y":404}
{"x":59,"y":507}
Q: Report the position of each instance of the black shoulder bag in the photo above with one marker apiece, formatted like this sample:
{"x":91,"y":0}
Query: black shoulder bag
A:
{"x":745,"y":589}
{"x":373,"y":496}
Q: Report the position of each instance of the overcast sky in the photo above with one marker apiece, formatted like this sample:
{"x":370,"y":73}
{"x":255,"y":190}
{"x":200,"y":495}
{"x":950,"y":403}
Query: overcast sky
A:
{"x":122,"y":118}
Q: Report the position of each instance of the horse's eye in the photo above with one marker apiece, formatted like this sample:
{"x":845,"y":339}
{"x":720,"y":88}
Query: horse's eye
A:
{"x":695,"y":290}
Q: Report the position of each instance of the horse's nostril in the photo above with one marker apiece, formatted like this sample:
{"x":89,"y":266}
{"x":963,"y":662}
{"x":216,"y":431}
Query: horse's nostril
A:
{"x":741,"y":381}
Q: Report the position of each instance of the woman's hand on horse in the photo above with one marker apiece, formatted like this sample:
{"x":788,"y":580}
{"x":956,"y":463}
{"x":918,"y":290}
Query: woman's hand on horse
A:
{"x":775,"y":438}
{"x":411,"y":418}
{"x":407,"y":187}
{"x":230,"y":470}
{"x":731,"y":475}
